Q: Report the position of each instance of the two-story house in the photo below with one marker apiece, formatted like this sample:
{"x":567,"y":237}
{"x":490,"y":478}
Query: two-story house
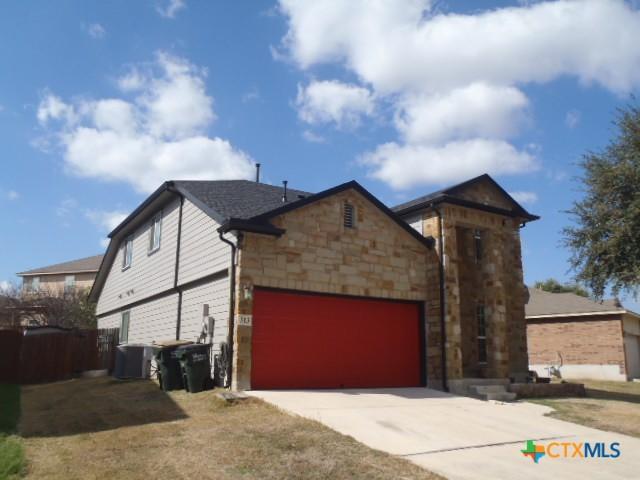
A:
{"x":74,"y":275}
{"x":325,"y":290}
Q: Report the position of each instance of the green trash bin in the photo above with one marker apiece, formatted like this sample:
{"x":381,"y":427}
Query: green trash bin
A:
{"x":169,"y":369}
{"x":196,"y":368}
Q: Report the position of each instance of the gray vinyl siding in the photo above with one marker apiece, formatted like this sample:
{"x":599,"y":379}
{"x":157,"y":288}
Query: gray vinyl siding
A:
{"x":149,"y":274}
{"x":148,"y":322}
{"x":216,"y":295}
{"x":202,"y":252}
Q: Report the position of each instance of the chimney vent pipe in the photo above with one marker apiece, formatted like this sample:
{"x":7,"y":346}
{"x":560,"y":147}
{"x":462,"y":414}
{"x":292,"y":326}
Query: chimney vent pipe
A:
{"x":284,"y":193}
{"x":257,"y":173}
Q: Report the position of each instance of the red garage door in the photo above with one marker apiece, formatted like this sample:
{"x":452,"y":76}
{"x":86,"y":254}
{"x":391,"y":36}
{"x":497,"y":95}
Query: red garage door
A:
{"x":321,"y":341}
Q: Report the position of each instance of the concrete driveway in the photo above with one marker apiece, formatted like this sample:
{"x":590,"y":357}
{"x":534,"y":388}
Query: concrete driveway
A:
{"x":459,"y":437}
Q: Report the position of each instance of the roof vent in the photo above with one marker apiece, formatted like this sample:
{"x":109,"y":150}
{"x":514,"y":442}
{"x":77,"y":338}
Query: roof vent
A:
{"x":349,"y":216}
{"x":284,"y":193}
{"x":257,"y":173}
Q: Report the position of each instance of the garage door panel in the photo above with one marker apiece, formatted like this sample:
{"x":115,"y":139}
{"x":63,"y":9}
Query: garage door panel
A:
{"x":319,"y":341}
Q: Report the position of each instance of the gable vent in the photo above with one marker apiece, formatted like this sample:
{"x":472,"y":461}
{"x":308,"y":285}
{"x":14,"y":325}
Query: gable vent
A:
{"x":349,"y":216}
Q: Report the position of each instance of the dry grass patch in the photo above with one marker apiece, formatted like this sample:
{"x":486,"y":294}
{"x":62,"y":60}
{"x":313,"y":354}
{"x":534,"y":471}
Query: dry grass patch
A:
{"x":104,"y":428}
{"x":613,"y":406}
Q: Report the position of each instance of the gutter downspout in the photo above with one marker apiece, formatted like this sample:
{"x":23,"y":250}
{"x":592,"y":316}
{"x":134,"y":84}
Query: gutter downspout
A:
{"x":232,"y":296}
{"x":443,"y":334}
{"x":177,"y":262}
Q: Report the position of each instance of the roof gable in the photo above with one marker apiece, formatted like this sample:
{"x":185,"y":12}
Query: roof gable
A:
{"x":481,"y":192}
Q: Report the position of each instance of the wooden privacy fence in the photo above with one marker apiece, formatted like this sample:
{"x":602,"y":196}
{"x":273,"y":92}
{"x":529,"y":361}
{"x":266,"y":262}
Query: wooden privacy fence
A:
{"x":48,"y":357}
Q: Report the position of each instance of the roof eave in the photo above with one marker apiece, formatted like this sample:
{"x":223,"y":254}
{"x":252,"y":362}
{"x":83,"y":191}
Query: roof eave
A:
{"x":445,"y":198}
{"x":242,"y":225}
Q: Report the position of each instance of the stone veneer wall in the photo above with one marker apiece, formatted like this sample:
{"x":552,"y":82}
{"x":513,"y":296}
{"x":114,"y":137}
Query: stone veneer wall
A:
{"x":503,"y":287}
{"x":317,"y":253}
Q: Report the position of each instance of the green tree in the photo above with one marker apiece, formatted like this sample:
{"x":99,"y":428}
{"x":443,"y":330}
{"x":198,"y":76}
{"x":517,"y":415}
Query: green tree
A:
{"x":554,"y":286}
{"x":605,"y":237}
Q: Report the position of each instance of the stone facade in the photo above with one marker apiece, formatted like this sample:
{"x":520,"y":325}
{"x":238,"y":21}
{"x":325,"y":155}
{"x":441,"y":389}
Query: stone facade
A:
{"x":318,"y":254}
{"x":379,"y":259}
{"x":495,"y":281}
{"x":577,"y":341}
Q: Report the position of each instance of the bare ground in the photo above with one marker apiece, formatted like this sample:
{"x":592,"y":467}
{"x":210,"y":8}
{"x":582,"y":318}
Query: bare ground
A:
{"x":104,"y":428}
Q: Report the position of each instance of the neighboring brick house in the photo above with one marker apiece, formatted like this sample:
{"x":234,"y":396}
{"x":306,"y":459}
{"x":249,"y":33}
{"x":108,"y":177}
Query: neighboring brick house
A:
{"x":580,"y":338}
{"x":74,"y":275}
{"x":331,"y":289}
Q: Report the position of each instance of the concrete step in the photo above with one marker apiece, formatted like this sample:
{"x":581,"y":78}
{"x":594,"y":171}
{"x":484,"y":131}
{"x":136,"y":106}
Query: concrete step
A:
{"x":501,"y":396}
{"x":484,"y":389}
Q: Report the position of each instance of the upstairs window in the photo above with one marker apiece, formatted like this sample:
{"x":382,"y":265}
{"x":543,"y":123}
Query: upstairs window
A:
{"x":127,"y":253}
{"x":69,"y":283}
{"x":349,"y":216}
{"x":481,"y":320}
{"x":477,"y":243}
{"x":155,"y":232}
{"x":124,"y":327}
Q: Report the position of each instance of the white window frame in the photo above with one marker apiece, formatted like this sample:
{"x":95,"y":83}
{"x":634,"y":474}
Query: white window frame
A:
{"x":127,"y":253}
{"x":69,"y":286}
{"x":34,"y":285}
{"x":478,"y":245}
{"x":155,"y":233}
{"x":125,"y":321}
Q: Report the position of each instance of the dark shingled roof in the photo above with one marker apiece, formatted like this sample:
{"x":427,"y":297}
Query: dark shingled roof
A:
{"x":242,"y":199}
{"x":88,"y":264}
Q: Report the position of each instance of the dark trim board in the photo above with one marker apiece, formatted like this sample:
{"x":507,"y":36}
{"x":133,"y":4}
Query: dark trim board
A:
{"x":170,"y":291}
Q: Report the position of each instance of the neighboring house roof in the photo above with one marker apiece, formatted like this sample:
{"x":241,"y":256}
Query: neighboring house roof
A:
{"x":81,"y":265}
{"x":547,"y":305}
{"x":452,"y":195}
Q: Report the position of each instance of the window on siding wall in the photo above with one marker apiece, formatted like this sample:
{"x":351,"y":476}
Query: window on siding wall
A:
{"x":155,"y":232}
{"x":69,"y":283}
{"x":127,"y":253}
{"x":124,"y":327}
{"x":32,"y":284}
{"x":481,"y":319}
{"x":349,"y":216}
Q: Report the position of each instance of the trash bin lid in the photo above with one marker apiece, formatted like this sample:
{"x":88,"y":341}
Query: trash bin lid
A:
{"x":171,"y":343}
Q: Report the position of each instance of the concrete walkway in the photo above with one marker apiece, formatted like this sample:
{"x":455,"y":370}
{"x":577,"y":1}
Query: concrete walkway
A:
{"x":459,"y":437}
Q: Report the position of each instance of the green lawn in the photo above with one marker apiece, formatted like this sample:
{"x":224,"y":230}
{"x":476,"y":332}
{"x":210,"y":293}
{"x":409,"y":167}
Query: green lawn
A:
{"x":11,"y":451}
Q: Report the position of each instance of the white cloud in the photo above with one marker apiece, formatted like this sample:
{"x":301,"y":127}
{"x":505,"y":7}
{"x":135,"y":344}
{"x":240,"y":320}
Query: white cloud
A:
{"x":52,"y":107}
{"x":452,"y":80}
{"x":312,"y":137}
{"x":252,"y":95}
{"x":572,"y":118}
{"x":106,"y":220}
{"x":475,"y":110}
{"x":406,"y":166}
{"x":158,"y":135}
{"x":96,"y":30}
{"x":525,"y":197}
{"x":169,"y":8}
{"x":394,"y":46}
{"x":5,"y":286}
{"x":13,"y":195}
{"x":66,"y":207}
{"x":332,"y":101}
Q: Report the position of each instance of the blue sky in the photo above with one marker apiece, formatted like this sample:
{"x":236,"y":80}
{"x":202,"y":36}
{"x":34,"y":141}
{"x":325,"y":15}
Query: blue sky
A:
{"x":101,"y":101}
